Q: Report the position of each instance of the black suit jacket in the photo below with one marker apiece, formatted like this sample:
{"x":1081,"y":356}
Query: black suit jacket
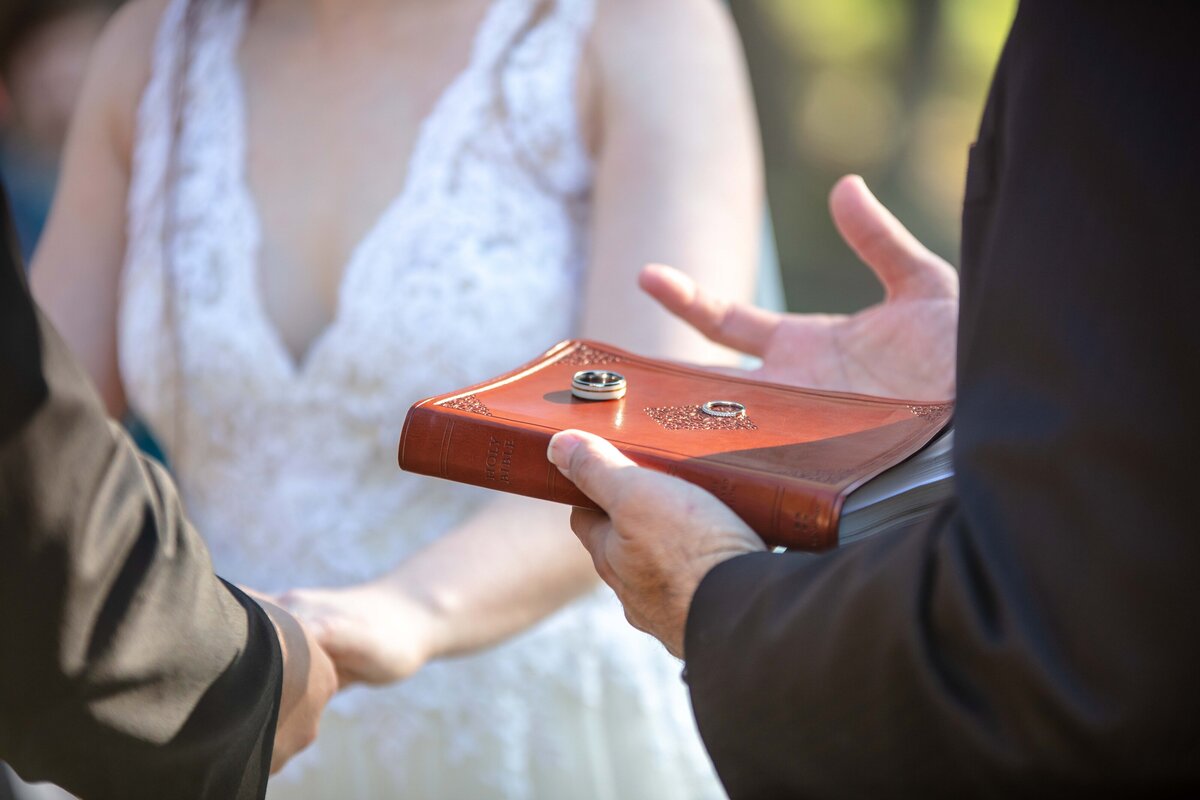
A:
{"x":127,"y":669}
{"x":1043,"y":634}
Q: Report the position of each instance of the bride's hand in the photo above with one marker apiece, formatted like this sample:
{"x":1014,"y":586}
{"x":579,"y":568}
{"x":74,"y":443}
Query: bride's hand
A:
{"x":373,"y":633}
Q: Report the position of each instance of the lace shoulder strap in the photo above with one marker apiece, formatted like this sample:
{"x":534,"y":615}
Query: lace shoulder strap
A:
{"x":189,"y":34}
{"x":154,"y":129}
{"x":538,"y":74}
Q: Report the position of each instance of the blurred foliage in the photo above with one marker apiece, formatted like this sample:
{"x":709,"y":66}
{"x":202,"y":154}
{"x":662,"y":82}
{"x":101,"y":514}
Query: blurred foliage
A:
{"x":890,"y":89}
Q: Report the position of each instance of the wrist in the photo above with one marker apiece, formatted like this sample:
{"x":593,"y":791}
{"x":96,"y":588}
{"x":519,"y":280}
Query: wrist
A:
{"x":422,"y":618}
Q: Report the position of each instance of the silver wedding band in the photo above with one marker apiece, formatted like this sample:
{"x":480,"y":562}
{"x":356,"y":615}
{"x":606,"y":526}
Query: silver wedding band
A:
{"x":593,"y":384}
{"x":723,"y":408}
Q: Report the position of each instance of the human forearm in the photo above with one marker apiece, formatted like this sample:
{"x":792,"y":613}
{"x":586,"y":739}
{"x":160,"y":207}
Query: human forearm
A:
{"x":130,"y":668}
{"x":678,"y":175}
{"x":76,"y":271}
{"x":505,"y":568}
{"x":949,"y":660}
{"x":860,"y":687}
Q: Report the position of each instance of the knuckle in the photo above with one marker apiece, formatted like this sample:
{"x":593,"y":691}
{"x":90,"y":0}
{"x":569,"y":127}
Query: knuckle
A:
{"x":604,"y":569}
{"x":588,"y":525}
{"x":637,"y":494}
{"x":724,"y":315}
{"x":646,"y":498}
{"x":581,"y":463}
{"x":634,"y":620}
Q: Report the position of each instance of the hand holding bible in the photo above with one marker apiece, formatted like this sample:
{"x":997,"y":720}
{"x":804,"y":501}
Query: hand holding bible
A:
{"x":660,"y":537}
{"x":902,"y":347}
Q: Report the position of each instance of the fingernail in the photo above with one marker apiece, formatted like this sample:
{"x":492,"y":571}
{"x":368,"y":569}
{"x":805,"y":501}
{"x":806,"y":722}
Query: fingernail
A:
{"x":562,"y":445}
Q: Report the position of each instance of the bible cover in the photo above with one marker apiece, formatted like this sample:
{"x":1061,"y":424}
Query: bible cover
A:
{"x":785,"y":466}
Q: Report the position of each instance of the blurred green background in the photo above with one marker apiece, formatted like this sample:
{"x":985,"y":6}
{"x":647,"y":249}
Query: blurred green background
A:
{"x":889,"y":89}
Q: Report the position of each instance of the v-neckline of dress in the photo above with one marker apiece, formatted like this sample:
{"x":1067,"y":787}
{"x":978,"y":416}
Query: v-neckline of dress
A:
{"x":296,"y":367}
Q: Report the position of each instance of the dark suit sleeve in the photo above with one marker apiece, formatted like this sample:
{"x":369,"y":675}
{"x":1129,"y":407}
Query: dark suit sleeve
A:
{"x":1042,"y":634}
{"x":127,"y":669}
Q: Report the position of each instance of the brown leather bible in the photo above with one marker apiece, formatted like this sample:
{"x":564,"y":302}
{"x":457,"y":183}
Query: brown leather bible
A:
{"x":783,"y":458}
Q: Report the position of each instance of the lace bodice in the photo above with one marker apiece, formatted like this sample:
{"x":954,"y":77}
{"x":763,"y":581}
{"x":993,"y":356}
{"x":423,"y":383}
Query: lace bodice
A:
{"x":289,"y":469}
{"x":474,"y":267}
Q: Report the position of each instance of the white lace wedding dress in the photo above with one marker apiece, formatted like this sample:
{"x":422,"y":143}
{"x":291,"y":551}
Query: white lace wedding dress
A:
{"x":289,"y":469}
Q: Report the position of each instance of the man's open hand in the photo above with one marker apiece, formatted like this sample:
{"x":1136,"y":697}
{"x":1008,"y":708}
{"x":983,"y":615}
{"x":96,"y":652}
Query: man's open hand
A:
{"x":903,"y":347}
{"x":660,"y":537}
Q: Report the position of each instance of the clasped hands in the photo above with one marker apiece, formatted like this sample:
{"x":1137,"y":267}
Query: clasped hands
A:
{"x":330,"y":641}
{"x":658,"y":536}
